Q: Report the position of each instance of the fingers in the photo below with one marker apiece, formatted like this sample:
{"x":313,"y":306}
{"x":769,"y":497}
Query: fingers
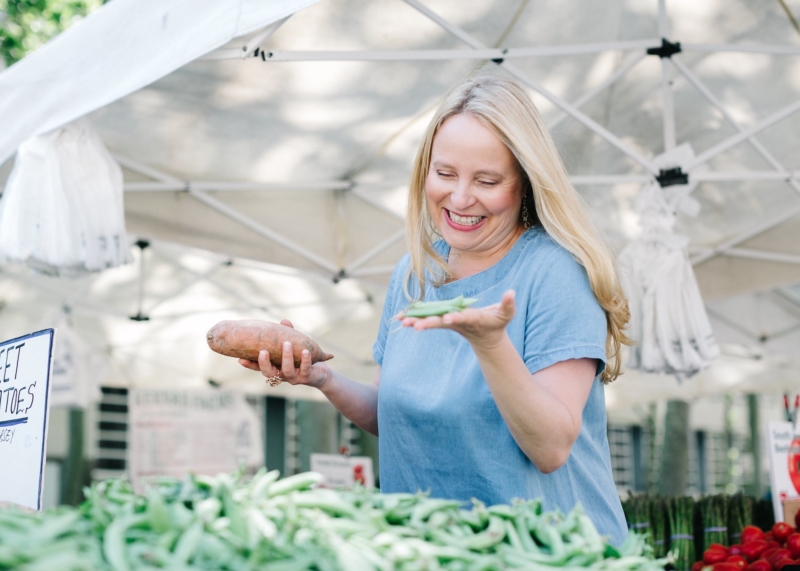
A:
{"x":305,"y":364}
{"x":287,"y":323}
{"x":508,"y":305}
{"x":287,"y":361}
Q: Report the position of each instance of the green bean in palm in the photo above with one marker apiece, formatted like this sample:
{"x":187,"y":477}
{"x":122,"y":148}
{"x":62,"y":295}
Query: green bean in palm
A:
{"x":431,"y":308}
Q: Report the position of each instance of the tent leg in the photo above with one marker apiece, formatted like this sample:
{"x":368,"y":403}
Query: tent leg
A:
{"x":73,"y":470}
{"x":674,"y":473}
{"x":755,"y":444}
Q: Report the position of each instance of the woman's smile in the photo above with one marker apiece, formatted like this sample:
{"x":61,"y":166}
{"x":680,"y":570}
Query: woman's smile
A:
{"x":463,"y":223}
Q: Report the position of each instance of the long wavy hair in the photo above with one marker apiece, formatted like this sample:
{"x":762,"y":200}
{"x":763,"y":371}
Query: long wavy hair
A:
{"x":504,"y":108}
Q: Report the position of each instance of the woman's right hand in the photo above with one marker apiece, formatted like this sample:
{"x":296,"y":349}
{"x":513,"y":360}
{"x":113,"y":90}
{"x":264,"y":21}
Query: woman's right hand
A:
{"x":315,"y":375}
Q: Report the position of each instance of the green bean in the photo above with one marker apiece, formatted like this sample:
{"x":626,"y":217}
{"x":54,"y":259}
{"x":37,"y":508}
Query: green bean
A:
{"x":296,"y":482}
{"x":430,"y":308}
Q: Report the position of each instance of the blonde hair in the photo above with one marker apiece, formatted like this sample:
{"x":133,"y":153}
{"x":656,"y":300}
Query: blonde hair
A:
{"x":504,"y":108}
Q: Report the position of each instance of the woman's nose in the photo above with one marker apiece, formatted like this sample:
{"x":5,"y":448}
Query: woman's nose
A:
{"x":461,"y":197}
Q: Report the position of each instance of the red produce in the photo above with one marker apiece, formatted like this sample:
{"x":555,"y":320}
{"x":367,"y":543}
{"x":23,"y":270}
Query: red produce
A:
{"x":759,"y":565}
{"x":781,"y":531}
{"x":781,"y":563}
{"x":725,"y":566}
{"x":777,"y":555}
{"x":752,"y":533}
{"x":698,"y":565}
{"x":793,"y":545}
{"x":735,"y":549}
{"x":713,"y":556}
{"x":773,"y":544}
{"x":768,"y":536}
{"x":793,"y":458}
{"x":754,"y":549}
{"x":737,"y":560}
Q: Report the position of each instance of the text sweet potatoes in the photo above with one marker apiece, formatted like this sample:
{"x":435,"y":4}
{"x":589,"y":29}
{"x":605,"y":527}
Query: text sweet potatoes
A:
{"x":245,"y":338}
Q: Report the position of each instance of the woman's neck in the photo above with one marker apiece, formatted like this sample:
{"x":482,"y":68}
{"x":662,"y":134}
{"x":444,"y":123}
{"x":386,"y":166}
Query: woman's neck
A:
{"x":466,"y":263}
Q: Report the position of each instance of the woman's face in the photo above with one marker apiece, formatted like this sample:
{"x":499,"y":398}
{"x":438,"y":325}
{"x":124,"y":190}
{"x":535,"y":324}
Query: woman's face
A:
{"x":473,"y":187}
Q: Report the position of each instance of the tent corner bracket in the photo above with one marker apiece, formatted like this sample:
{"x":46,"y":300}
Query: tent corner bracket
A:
{"x":671,"y":177}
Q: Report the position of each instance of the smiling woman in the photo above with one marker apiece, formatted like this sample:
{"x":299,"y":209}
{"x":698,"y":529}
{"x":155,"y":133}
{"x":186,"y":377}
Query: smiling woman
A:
{"x":502,"y":399}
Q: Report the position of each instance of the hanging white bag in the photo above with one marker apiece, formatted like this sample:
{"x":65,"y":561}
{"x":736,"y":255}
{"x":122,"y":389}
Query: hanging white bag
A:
{"x":62,"y":209}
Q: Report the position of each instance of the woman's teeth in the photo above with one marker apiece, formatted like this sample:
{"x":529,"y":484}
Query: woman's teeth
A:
{"x":464,"y":220}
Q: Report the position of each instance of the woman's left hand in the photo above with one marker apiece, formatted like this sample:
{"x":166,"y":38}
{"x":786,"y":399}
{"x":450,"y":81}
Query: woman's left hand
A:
{"x":483,"y":327}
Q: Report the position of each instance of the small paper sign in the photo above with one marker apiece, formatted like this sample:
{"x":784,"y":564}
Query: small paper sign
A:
{"x":343,"y":471}
{"x":780,"y":436}
{"x":25,"y":368}
{"x":176,"y":432}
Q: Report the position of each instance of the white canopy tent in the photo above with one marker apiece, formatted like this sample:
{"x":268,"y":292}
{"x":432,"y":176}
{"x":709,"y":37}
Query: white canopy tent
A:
{"x":266,"y":148}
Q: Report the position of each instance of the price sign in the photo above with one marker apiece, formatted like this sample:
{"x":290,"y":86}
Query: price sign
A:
{"x":343,"y":471}
{"x":25,"y":368}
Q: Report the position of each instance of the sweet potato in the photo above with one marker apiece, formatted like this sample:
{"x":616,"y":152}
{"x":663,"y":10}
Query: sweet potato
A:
{"x":244,"y":339}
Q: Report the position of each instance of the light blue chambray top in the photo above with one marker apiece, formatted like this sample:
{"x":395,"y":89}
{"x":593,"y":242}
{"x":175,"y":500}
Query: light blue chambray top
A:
{"x":439,"y":427}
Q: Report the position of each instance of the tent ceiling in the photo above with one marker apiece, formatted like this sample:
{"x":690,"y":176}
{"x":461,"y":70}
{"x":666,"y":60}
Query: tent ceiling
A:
{"x":331,"y":143}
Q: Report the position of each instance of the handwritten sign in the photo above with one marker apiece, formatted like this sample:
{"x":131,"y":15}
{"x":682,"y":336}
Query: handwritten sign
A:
{"x":779,"y":442}
{"x":25,"y":367}
{"x":174,"y":433}
{"x":343,"y":471}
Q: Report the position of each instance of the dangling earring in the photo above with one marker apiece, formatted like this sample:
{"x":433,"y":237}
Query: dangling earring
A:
{"x":526,"y":222}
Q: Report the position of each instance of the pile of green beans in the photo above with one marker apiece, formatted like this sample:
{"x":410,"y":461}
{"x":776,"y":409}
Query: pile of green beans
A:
{"x":268,"y":524}
{"x":430,"y":308}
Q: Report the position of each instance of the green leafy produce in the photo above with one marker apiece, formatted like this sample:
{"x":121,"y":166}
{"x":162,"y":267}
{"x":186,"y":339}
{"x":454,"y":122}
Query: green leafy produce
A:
{"x":268,"y":524}
{"x":430,"y":308}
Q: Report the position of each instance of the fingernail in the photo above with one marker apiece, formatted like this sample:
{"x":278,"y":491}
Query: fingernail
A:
{"x":306,"y":353}
{"x":286,"y":344}
{"x":262,"y":353}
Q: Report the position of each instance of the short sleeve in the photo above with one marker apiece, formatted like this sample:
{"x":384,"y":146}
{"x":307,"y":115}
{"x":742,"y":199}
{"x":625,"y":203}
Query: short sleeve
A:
{"x":390,"y":309}
{"x":564,"y":320}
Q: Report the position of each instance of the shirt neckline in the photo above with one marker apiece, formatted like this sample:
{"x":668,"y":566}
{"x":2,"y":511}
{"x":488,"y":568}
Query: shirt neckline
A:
{"x":483,"y":280}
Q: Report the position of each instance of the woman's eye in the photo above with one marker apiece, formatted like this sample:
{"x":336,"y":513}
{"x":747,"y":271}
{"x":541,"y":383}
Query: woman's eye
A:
{"x":487,"y":182}
{"x":444,"y":174}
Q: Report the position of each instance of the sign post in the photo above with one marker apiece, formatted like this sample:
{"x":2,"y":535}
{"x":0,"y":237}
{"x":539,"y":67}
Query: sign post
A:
{"x":25,"y":368}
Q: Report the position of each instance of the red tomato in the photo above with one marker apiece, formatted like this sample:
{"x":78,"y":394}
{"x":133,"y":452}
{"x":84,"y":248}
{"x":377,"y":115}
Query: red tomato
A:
{"x":781,"y":563}
{"x":737,"y":560}
{"x":697,"y":565}
{"x":713,"y":556}
{"x":793,"y":545}
{"x":754,"y":549}
{"x":777,"y":555}
{"x":735,"y":549}
{"x":759,"y":565}
{"x":773,"y":544}
{"x":752,"y":533}
{"x":793,"y":458}
{"x":725,"y":566}
{"x":781,"y":531}
{"x":768,"y":536}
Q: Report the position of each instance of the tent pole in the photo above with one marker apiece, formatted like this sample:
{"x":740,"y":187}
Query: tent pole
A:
{"x":746,"y":235}
{"x":580,"y":180}
{"x":742,"y":48}
{"x":559,"y":102}
{"x":386,"y":244}
{"x":610,"y":80}
{"x":142,"y":245}
{"x":744,"y":135}
{"x":695,"y":81}
{"x":145,"y":170}
{"x":226,"y":210}
{"x":431,"y":55}
{"x":373,"y":271}
{"x":670,"y":138}
{"x":741,"y":176}
{"x":762,"y":255}
{"x":181,"y":186}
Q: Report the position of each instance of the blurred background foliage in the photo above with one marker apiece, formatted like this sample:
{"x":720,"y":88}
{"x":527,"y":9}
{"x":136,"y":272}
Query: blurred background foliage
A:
{"x":27,"y":24}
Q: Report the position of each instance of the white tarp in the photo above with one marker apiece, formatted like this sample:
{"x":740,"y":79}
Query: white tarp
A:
{"x":125,"y":46}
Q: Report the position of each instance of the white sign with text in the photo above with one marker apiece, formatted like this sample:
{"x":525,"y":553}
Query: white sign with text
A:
{"x":173,"y":433}
{"x":779,"y":442}
{"x":25,"y":368}
{"x":343,"y":471}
